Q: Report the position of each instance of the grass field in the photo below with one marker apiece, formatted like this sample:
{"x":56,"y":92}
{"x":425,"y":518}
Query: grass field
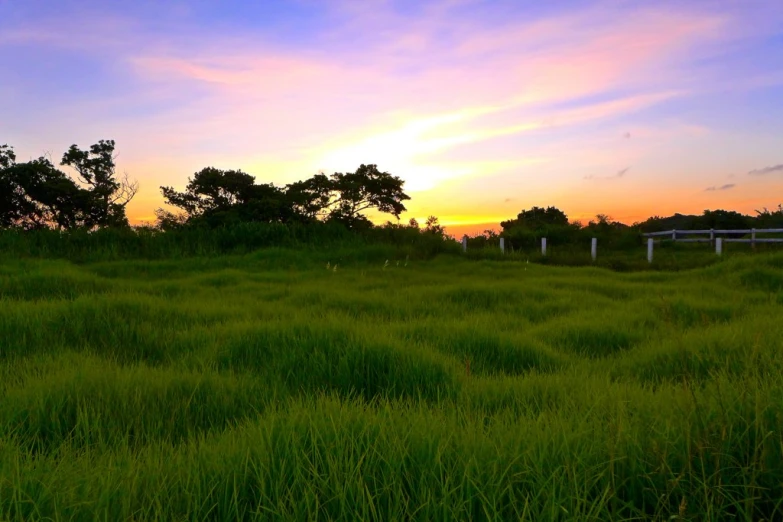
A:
{"x":266,"y":386}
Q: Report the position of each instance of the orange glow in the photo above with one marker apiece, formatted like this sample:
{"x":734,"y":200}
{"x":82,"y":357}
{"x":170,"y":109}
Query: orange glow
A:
{"x":480,"y":119}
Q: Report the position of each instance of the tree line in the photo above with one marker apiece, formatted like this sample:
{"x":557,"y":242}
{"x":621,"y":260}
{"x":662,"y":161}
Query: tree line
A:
{"x":221,"y":197}
{"x":36,"y":195}
{"x":530,"y":225}
{"x":539,"y":218}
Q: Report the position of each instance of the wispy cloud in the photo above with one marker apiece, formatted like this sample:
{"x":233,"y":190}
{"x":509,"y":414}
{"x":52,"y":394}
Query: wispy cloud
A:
{"x":619,"y":174}
{"x":767,"y":170}
{"x":727,"y":186}
{"x":437,"y":92}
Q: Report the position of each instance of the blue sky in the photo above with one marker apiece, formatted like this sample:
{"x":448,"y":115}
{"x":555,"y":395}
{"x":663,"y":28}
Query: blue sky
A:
{"x":484,"y":108}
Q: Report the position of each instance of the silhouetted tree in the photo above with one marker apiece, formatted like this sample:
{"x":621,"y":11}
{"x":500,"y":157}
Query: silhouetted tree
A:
{"x":769,"y":219}
{"x":166,"y":220}
{"x":605,"y":224}
{"x":432,"y":226}
{"x":536,"y":218}
{"x":37,"y":195}
{"x":219,"y":197}
{"x":724,"y":219}
{"x":110,"y":195}
{"x":211,"y":190}
{"x":7,"y":156}
{"x":310,"y":199}
{"x":223,"y":196}
{"x":363,"y":189}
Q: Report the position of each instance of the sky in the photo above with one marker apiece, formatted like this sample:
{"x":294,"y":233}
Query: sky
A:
{"x":484,"y":108}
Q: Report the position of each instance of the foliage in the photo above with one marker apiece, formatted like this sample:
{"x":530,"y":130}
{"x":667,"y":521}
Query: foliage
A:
{"x":715,"y":219}
{"x":310,"y":198}
{"x":109,"y":194}
{"x":537,"y":218}
{"x":268,"y":387}
{"x":766,"y":218}
{"x":35,"y":194}
{"x":216,"y":198}
{"x":433,"y":226}
{"x":363,"y":189}
{"x":179,"y":240}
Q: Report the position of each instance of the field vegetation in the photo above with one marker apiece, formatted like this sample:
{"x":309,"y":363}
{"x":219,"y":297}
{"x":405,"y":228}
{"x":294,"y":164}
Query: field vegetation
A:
{"x":364,"y":382}
{"x":270,"y":353}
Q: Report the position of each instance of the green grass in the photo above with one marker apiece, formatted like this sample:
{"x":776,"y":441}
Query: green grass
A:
{"x":265,"y":387}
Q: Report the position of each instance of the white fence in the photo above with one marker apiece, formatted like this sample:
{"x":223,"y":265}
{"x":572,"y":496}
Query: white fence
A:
{"x":677,"y":235}
{"x":672,"y":235}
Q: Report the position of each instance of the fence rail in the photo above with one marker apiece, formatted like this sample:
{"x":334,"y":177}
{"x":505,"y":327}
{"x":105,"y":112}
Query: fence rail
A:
{"x":672,"y":235}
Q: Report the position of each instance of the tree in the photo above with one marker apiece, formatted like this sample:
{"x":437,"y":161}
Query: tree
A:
{"x":37,"y":195}
{"x":536,"y":218}
{"x":166,"y":220}
{"x":769,"y":219}
{"x":222,"y":196}
{"x":605,"y":223}
{"x":363,"y":189}
{"x":7,"y":156}
{"x":211,"y":190}
{"x":310,"y":199}
{"x":724,"y":219}
{"x":432,"y":226}
{"x":96,"y":169}
{"x":9,"y":206}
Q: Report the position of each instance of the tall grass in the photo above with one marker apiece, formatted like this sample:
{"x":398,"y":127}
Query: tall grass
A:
{"x":147,"y":243}
{"x":265,"y":386}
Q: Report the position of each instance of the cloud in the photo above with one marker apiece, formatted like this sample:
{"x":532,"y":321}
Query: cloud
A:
{"x":767,"y":170}
{"x":410,"y":88}
{"x":727,"y":186}
{"x":620,"y":173}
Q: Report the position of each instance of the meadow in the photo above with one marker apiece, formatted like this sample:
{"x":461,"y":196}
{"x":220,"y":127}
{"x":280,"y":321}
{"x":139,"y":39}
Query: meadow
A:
{"x":274,"y":385}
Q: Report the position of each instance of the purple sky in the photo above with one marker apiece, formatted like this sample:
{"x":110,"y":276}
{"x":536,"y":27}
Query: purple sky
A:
{"x":483,"y":107}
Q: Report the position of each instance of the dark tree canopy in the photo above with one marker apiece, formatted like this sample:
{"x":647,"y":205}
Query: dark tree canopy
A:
{"x":537,"y":217}
{"x":219,"y":196}
{"x":766,"y":218}
{"x":216,"y":197}
{"x":364,"y":189}
{"x":310,"y":198}
{"x":7,"y":156}
{"x":96,"y":169}
{"x":35,"y":194}
{"x":211,"y":190}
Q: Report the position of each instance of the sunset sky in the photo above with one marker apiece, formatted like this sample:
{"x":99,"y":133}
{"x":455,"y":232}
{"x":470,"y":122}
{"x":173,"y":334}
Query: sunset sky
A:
{"x":628,"y":108}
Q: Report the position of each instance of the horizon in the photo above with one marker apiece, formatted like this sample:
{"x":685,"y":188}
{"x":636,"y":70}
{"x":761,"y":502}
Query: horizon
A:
{"x":483,"y":108}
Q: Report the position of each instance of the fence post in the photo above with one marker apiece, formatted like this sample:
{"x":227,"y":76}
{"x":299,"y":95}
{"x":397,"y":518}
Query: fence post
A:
{"x":594,"y":248}
{"x":465,"y":243}
{"x":650,"y":250}
{"x":712,"y":236}
{"x":543,"y":246}
{"x":502,"y":245}
{"x":753,"y":238}
{"x":719,"y":246}
{"x":674,"y":235}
